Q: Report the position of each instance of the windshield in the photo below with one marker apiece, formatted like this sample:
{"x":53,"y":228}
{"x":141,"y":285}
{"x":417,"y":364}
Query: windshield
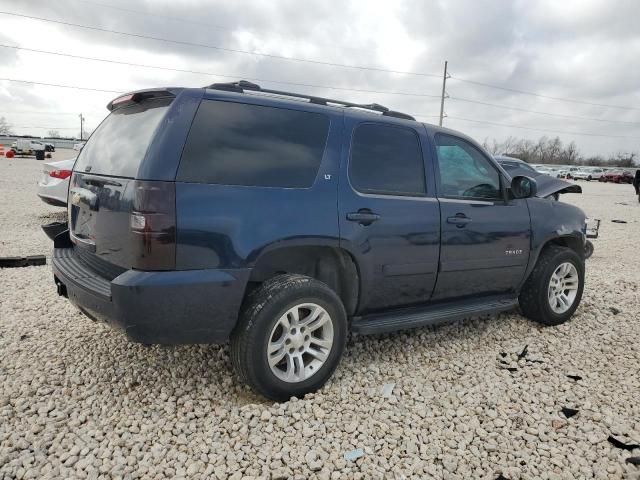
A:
{"x":119,"y":144}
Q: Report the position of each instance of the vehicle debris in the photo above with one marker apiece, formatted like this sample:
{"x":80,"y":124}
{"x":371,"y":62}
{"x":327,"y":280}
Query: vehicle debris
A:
{"x":569,"y":412}
{"x":575,"y":377}
{"x":620,"y":444}
{"x":387,"y":389}
{"x":615,"y":310}
{"x":523,"y":353}
{"x":619,"y":221}
{"x":588,"y":249}
{"x":353,"y":455}
{"x":30,"y":261}
{"x":633,"y":460}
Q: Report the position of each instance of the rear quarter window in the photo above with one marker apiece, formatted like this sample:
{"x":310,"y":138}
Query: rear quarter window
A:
{"x":240,"y":144}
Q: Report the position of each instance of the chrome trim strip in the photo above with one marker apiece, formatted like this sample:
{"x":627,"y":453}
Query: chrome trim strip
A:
{"x":469,"y":202}
{"x":394,"y":197}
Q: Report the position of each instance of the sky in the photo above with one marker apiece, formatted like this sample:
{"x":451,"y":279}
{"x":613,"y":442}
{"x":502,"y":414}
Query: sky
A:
{"x":579,"y":58}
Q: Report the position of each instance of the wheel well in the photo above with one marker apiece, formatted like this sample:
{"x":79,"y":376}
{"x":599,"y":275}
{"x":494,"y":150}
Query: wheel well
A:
{"x":332,"y":266}
{"x":570,"y":242}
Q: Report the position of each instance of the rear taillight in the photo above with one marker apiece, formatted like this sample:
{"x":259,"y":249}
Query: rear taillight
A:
{"x":153,"y":224}
{"x":62,"y":174}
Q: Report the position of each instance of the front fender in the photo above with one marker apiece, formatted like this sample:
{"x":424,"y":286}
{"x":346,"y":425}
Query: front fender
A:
{"x":553,"y":221}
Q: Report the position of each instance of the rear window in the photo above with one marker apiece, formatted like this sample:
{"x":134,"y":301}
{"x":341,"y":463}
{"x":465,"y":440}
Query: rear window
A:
{"x":119,"y":144}
{"x":239,"y":144}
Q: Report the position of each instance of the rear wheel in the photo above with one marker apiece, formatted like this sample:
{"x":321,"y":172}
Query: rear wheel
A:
{"x":290,"y":337}
{"x":554,"y":289}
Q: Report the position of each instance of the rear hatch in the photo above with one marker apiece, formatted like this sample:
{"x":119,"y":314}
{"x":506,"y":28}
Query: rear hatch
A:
{"x":117,"y":222}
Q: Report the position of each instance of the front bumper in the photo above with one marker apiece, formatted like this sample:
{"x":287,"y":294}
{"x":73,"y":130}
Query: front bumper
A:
{"x":172,"y":307}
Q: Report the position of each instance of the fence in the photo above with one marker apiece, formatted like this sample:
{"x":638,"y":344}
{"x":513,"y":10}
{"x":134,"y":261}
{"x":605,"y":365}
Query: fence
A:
{"x":57,"y":142}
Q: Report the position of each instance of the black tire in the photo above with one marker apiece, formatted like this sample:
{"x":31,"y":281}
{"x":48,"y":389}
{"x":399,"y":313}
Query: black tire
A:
{"x":588,"y":249}
{"x":261,"y":310}
{"x":534,"y":301}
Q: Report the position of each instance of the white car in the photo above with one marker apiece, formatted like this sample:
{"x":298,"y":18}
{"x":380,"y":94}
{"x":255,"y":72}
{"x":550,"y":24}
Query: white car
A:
{"x":588,"y":174}
{"x":54,"y":185}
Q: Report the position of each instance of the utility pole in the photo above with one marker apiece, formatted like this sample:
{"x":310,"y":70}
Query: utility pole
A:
{"x":444,"y":93}
{"x":82,"y":125}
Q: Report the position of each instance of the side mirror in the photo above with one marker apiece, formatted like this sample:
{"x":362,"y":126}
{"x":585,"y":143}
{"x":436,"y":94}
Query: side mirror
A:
{"x":523,"y":187}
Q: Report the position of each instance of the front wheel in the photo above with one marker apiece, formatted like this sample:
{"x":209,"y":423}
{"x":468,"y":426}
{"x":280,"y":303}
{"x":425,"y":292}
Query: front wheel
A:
{"x":290,"y":337}
{"x":554,"y":289}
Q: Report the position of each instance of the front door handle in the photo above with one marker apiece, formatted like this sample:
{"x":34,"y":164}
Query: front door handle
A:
{"x":460,"y":220}
{"x":364,"y":216}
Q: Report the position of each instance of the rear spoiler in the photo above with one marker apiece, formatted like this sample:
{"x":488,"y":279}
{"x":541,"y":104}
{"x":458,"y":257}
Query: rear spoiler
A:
{"x":137,"y":97}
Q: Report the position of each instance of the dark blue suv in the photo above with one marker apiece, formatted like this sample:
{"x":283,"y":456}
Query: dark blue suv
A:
{"x":282,"y":221}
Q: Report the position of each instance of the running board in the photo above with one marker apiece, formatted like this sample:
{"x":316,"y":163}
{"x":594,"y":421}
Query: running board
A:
{"x":430,"y":315}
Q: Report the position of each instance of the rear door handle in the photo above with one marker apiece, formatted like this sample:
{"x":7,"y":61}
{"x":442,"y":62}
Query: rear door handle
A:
{"x":460,"y":220}
{"x":363,"y":216}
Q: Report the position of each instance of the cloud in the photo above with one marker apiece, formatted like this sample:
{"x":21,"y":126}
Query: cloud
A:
{"x":582,"y":49}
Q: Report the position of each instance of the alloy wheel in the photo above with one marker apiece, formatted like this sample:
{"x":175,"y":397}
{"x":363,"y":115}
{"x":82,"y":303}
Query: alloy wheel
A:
{"x":563,"y":287}
{"x":300,"y":342}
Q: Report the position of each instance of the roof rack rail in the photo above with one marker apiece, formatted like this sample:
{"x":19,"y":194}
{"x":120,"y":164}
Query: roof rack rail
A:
{"x":243,"y":85}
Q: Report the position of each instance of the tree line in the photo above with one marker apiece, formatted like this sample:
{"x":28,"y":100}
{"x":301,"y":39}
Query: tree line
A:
{"x":553,"y":151}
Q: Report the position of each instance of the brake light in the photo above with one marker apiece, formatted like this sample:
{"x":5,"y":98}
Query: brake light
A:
{"x":123,"y":99}
{"x":62,"y":174}
{"x":153,"y":224}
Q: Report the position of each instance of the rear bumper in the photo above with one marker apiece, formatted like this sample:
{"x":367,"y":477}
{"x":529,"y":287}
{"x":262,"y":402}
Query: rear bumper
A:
{"x":56,"y":202}
{"x":174,"y":307}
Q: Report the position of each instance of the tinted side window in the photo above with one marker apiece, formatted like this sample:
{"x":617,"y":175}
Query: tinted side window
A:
{"x":239,"y":144}
{"x":387,"y":160}
{"x":465,"y":171}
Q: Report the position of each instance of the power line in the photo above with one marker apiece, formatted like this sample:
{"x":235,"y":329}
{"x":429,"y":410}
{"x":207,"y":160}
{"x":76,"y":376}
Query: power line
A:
{"x":541,"y":129}
{"x":50,"y":128}
{"x":310,"y":85}
{"x":35,"y":112}
{"x":317,"y":62}
{"x":59,"y":85}
{"x":209,"y":74}
{"x":534,"y":94}
{"x":196,"y":22}
{"x":151,"y":14}
{"x":507,"y":107}
{"x":217,"y":47}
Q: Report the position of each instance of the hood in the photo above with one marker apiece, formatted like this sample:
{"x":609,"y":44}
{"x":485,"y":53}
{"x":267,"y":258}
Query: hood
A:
{"x":547,"y":185}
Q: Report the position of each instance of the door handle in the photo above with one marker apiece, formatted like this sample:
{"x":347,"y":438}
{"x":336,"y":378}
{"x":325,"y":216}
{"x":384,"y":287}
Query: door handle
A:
{"x":460,"y":220}
{"x":364,"y":216}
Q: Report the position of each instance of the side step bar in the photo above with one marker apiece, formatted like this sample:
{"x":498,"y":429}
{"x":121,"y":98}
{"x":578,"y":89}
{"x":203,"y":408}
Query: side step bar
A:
{"x":430,"y":315}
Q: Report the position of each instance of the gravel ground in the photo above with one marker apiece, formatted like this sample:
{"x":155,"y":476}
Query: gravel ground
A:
{"x":21,"y":211}
{"x":453,"y":402}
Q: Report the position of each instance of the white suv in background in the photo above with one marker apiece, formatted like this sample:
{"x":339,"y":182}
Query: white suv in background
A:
{"x":588,"y":174}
